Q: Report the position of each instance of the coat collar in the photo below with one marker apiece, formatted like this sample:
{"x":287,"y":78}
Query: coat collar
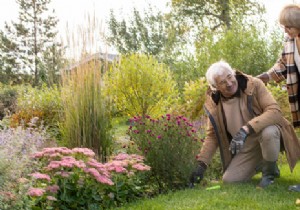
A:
{"x":245,"y":85}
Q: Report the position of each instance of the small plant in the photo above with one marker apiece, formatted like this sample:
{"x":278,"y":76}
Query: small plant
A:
{"x":170,"y":145}
{"x":73,"y":179}
{"x":16,"y":147}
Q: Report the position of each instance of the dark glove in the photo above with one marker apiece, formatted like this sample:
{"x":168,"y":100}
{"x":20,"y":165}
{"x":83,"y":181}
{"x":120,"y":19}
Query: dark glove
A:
{"x":198,"y":173}
{"x":238,"y":141}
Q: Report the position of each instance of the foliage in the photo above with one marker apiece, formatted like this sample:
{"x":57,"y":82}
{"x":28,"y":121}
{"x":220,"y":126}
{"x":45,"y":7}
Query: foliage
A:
{"x":151,"y":33}
{"x":44,"y":103}
{"x":228,"y":47}
{"x":73,"y":179}
{"x":87,"y":121}
{"x":280,"y":94}
{"x":24,"y":43}
{"x":16,"y":147}
{"x":140,"y":85}
{"x":215,"y":14}
{"x":8,"y":100}
{"x":193,"y":99}
{"x":170,"y":145}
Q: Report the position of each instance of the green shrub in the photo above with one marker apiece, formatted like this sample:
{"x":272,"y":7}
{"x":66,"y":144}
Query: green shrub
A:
{"x":170,"y":145}
{"x":73,"y":179}
{"x":140,"y":85}
{"x":193,"y":99}
{"x":44,"y":103}
{"x":8,"y":100}
{"x":280,"y":94}
{"x":87,"y":121}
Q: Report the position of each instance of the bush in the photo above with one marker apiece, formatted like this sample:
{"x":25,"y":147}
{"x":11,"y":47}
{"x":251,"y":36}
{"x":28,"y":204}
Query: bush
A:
{"x":44,"y":103}
{"x":8,"y":100}
{"x":170,"y":145}
{"x":73,"y":179}
{"x":280,"y":94}
{"x":16,"y":146}
{"x":140,"y":85}
{"x":193,"y":99}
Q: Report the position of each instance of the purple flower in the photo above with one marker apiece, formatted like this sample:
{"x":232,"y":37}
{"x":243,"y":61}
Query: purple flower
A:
{"x":159,"y":136}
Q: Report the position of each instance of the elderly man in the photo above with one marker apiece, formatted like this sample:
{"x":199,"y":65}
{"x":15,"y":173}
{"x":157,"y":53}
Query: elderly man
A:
{"x":246,"y":124}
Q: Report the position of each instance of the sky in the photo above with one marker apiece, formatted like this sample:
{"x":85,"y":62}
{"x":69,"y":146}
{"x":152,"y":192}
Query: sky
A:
{"x":75,"y":12}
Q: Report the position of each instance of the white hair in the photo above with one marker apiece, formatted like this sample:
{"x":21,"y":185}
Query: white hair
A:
{"x":217,"y":69}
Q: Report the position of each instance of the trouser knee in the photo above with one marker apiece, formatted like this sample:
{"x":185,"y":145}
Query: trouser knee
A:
{"x":270,"y":143}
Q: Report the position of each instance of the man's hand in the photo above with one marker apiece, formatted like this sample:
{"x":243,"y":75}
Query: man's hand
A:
{"x":198,"y":173}
{"x":238,"y":141}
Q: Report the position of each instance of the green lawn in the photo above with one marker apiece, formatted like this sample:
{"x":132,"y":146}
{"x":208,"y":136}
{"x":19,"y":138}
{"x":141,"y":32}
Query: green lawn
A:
{"x":235,"y":196}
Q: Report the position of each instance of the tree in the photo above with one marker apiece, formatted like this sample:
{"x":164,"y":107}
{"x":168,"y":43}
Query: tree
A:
{"x":25,"y":42}
{"x":8,"y":65}
{"x":153,"y":34}
{"x":141,"y":86}
{"x":245,"y":48}
{"x":215,"y":14}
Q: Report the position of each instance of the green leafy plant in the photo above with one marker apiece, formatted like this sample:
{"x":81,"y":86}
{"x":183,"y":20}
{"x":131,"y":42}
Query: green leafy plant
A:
{"x":170,"y":145}
{"x":193,"y":99}
{"x":280,"y":94}
{"x":73,"y":179}
{"x":44,"y":103}
{"x":140,"y":85}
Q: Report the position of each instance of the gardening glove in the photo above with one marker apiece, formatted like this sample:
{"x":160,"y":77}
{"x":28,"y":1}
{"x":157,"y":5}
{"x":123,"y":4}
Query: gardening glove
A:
{"x":198,"y":173}
{"x":238,"y":141}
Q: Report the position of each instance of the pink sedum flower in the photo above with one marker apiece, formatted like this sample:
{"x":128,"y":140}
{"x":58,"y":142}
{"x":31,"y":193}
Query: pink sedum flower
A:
{"x":51,"y":198}
{"x":52,"y":188}
{"x":85,"y":151}
{"x":141,"y":167}
{"x":35,"y":192}
{"x":38,"y":175}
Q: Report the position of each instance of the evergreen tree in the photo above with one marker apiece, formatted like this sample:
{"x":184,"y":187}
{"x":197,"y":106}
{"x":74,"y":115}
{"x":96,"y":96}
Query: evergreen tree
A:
{"x":28,"y":44}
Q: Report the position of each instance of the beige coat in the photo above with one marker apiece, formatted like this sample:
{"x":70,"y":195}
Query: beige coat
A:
{"x":265,"y":111}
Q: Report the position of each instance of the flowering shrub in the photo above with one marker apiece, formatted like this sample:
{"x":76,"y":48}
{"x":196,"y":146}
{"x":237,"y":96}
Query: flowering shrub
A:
{"x":74,"y":179}
{"x":16,"y":147}
{"x":170,"y":145}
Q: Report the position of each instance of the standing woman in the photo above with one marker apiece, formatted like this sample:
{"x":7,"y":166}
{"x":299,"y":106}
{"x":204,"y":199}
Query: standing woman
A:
{"x":287,"y":66}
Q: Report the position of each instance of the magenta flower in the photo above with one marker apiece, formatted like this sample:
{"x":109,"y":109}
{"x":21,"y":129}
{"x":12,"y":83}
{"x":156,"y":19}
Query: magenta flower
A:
{"x":159,"y":136}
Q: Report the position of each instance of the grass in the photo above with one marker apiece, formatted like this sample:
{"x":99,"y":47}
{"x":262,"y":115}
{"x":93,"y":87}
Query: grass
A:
{"x":229,"y":196}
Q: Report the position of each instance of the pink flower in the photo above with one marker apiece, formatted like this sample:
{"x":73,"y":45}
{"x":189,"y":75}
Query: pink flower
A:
{"x":51,"y":198}
{"x":141,"y":167}
{"x":52,"y":188}
{"x":100,"y":178}
{"x":159,"y":136}
{"x":121,"y":156}
{"x":85,"y":151}
{"x":35,"y":192}
{"x":41,"y":176}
